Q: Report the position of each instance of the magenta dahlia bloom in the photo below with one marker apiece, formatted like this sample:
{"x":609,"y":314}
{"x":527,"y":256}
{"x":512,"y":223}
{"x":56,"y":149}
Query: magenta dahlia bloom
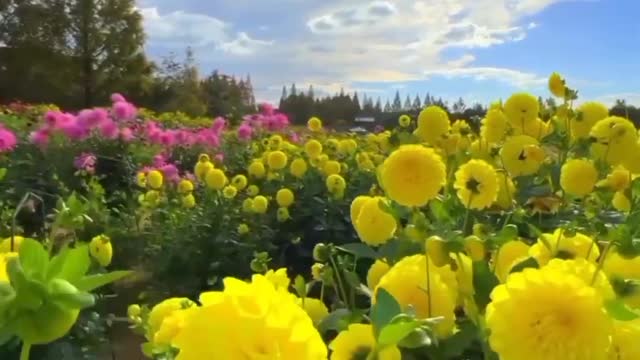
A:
{"x":123,"y":110}
{"x":218,"y":125}
{"x":244,"y":132}
{"x":40,"y":137}
{"x":126,"y":134}
{"x":117,"y":97}
{"x":8,"y":139}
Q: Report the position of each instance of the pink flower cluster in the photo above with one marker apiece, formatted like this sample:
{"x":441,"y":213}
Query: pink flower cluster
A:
{"x":169,"y":171}
{"x":169,"y":138}
{"x":110,"y":124}
{"x":269,"y":119}
{"x":7,"y":139}
{"x":85,"y":162}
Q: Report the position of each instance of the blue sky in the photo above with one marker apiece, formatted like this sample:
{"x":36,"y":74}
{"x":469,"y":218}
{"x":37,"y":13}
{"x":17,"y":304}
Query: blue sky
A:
{"x":480,"y":50}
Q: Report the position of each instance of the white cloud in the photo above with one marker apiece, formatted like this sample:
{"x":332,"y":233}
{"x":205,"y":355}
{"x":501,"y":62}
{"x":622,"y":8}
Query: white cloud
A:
{"x":179,"y":29}
{"x":349,"y":18}
{"x":244,"y":45}
{"x":516,"y":78}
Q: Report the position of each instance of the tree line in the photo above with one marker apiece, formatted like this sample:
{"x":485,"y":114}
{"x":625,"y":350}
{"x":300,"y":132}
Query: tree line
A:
{"x":75,"y":53}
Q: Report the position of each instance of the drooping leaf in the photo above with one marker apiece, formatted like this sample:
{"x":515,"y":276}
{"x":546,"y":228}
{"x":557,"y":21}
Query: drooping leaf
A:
{"x":334,"y":320}
{"x":360,"y":250}
{"x":29,"y":293}
{"x":508,"y":233}
{"x":527,"y":263}
{"x":56,"y":263}
{"x":483,"y":283}
{"x":92,"y":282}
{"x":78,"y":300}
{"x":618,"y":310}
{"x":385,"y":309}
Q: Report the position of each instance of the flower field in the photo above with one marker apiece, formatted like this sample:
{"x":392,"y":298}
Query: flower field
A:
{"x":512,"y":238}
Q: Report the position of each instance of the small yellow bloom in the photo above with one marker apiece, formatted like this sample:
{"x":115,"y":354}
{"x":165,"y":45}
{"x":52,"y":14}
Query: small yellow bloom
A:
{"x":229,"y":191}
{"x":284,"y":197}
{"x":215,"y":179}
{"x":260,"y":204}
{"x":557,"y":85}
{"x":373,"y":225}
{"x":404,"y":120}
{"x":335,"y":184}
{"x":239,"y":182}
{"x":474,"y":247}
{"x":101,"y":250}
{"x":508,"y":255}
{"x":185,"y":186}
{"x":282,"y":214}
{"x":243,"y":229}
{"x":188,"y":201}
{"x":476,"y":184}
{"x":331,"y":167}
{"x":316,"y":271}
{"x":298,"y":167}
{"x":436,"y":249}
{"x":278,"y":278}
{"x":376,"y":272}
{"x":357,"y":342}
{"x":155,"y":179}
{"x":313,"y":148}
{"x":253,"y":190}
{"x":257,"y":169}
{"x":619,"y":179}
{"x":314,"y":124}
{"x":277,"y":160}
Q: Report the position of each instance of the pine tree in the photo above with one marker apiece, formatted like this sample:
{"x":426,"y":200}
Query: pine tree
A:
{"x":378,"y":106}
{"x":417,"y":104}
{"x":387,"y":107}
{"x":428,"y":101}
{"x":356,"y":102}
{"x":407,"y":103}
{"x":310,"y":92}
{"x":294,"y":92}
{"x":397,"y":103}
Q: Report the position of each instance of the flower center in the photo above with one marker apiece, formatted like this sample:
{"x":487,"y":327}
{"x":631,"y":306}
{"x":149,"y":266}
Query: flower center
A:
{"x":473,"y":185}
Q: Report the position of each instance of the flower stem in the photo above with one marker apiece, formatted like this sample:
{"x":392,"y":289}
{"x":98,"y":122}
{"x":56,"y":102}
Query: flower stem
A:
{"x":340,"y":285}
{"x":24,"y":353}
{"x":605,"y":252}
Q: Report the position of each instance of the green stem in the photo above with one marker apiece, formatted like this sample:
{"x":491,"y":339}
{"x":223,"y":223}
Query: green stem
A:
{"x":24,"y":353}
{"x":341,"y":289}
{"x":322,"y":292}
{"x":428,"y":287}
{"x":605,"y":252}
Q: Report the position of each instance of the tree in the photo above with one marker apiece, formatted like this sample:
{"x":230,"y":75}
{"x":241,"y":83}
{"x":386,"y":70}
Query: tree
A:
{"x":356,"y":102}
{"x":378,"y":106}
{"x":294,"y":92}
{"x":397,"y":103}
{"x":387,"y":107}
{"x":459,"y":106}
{"x":428,"y":100}
{"x":310,"y":93}
{"x":407,"y":103}
{"x":417,"y":104}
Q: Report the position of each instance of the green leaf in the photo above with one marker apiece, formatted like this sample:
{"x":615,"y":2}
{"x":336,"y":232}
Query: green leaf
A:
{"x":79,"y":300}
{"x":618,"y":310}
{"x":7,"y":294}
{"x":300,"y":287}
{"x":33,"y":258}
{"x":416,"y":339}
{"x":333,"y":321}
{"x":508,"y":233}
{"x":393,"y":333}
{"x":56,"y":264}
{"x":625,"y":287}
{"x":3,"y":173}
{"x":92,"y":282}
{"x":360,"y":250}
{"x":385,"y":309}
{"x":29,"y":294}
{"x":439,"y":211}
{"x":76,"y":264}
{"x":483,"y":283}
{"x":455,"y":345}
{"x":527,"y":263}
{"x":352,"y":279}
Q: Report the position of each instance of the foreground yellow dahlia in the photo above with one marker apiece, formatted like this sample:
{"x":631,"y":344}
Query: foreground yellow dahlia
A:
{"x":568,"y":320}
{"x":562,"y":245}
{"x":578,"y":177}
{"x":625,"y":344}
{"x":406,"y":281}
{"x":373,"y":225}
{"x":248,"y":321}
{"x":357,"y":342}
{"x":412,"y":175}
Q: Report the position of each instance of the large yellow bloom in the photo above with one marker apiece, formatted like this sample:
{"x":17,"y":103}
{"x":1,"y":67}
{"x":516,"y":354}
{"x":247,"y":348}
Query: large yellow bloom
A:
{"x":476,"y":184}
{"x":373,"y":225}
{"x":619,"y":179}
{"x":614,"y":140}
{"x":562,"y":246}
{"x":406,"y":281}
{"x":313,"y":148}
{"x":357,"y":342}
{"x":589,"y":113}
{"x":412,"y":175}
{"x":548,"y":314}
{"x":5,"y":245}
{"x":521,"y":155}
{"x":277,"y":160}
{"x":520,"y":109}
{"x":537,"y":129}
{"x":314,"y":124}
{"x":216,"y":179}
{"x":578,"y":177}
{"x":163,"y":311}
{"x":248,"y":321}
{"x":433,"y":124}
{"x":285,"y":197}
{"x":315,"y":308}
{"x":256,"y":169}
{"x":260,"y":204}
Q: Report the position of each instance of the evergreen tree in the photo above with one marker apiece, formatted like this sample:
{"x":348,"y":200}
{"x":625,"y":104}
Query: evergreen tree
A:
{"x":310,"y":92}
{"x":387,"y":107}
{"x":428,"y":100}
{"x":397,"y":103}
{"x":294,"y":92}
{"x":356,"y":102}
{"x":378,"y":106}
{"x":284,"y":93}
{"x":417,"y":104}
{"x":407,"y":103}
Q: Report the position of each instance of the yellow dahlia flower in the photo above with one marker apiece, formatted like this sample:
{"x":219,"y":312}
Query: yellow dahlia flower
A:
{"x":476,"y":184}
{"x":101,"y":250}
{"x":618,"y":267}
{"x":373,"y":225}
{"x":285,"y":197}
{"x":313,"y":148}
{"x":506,"y":191}
{"x":257,"y":169}
{"x":614,"y":139}
{"x":521,"y":155}
{"x":260,"y":204}
{"x":625,"y":344}
{"x":155,"y":179}
{"x":494,"y":126}
{"x":406,"y":281}
{"x":357,"y":342}
{"x":215,"y":179}
{"x":412,"y":175}
{"x":335,"y":184}
{"x":185,"y":186}
{"x":315,"y":308}
{"x":376,"y":272}
{"x":548,"y":314}
{"x":433,"y":123}
{"x":298,"y":167}
{"x":562,"y":246}
{"x":277,"y":160}
{"x":258,"y":320}
{"x":404,"y":121}
{"x":239,"y":182}
{"x":314,"y":124}
{"x":619,"y":179}
{"x":520,"y":109}
{"x":557,"y":85}
{"x":578,"y":177}
{"x":589,"y":113}
{"x":229,"y":191}
{"x":507,"y":256}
